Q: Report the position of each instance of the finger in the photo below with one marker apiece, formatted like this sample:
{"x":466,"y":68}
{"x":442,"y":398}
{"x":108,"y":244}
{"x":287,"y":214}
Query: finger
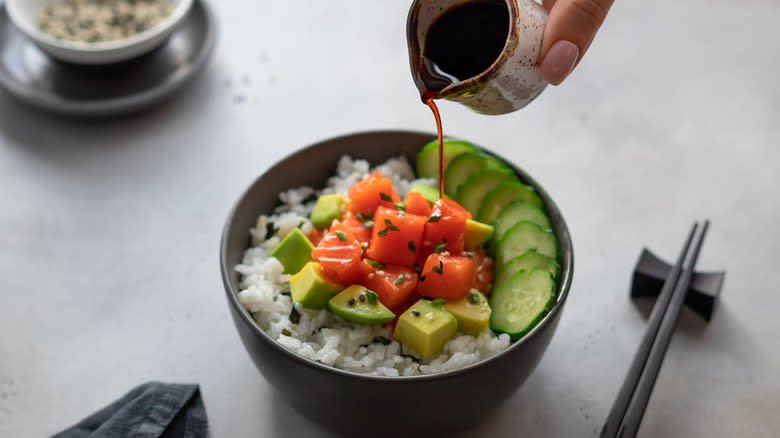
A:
{"x":548,"y":4}
{"x":571,"y":27}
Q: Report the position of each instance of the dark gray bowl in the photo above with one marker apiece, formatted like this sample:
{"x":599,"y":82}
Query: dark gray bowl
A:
{"x":353,"y":404}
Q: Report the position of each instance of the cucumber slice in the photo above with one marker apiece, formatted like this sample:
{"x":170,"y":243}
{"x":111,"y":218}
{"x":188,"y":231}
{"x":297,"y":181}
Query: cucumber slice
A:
{"x":516,"y":212}
{"x":502,"y":195}
{"x":524,"y":236}
{"x":474,"y":189}
{"x":529,"y":259}
{"x":520,"y":302}
{"x":465,"y":165}
{"x":428,"y":158}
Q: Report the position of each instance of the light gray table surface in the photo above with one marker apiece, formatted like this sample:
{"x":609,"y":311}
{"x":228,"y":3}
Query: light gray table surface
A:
{"x":109,"y":230}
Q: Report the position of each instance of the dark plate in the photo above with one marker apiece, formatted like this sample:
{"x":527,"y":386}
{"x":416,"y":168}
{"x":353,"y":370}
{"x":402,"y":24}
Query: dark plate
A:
{"x":87,"y":91}
{"x":359,"y":405}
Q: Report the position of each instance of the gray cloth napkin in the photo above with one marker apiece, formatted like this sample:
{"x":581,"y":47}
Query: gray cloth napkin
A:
{"x":152,"y":410}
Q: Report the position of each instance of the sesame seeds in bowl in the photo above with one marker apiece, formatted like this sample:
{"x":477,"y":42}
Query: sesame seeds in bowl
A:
{"x":97,"y":31}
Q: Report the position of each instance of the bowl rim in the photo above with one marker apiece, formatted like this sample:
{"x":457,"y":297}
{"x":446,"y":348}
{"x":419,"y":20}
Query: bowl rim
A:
{"x":32,"y":31}
{"x":232,"y":294}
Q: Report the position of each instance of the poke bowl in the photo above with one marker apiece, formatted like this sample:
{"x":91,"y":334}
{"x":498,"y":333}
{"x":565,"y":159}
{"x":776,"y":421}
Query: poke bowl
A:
{"x":423,"y":369}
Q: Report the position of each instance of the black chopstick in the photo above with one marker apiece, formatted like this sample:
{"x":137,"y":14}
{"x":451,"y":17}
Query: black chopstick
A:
{"x":636,"y":409}
{"x":616,"y":414}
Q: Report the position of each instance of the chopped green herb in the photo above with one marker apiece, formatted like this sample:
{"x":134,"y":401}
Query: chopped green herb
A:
{"x":368,"y":224}
{"x":369,"y":214}
{"x":411,"y":246}
{"x":342,"y":237}
{"x":295,"y":317}
{"x":371,"y":296}
{"x":438,"y":269}
{"x":286,"y":332}
{"x":360,"y":216}
{"x":400,"y":206}
{"x":381,"y":340}
{"x":376,"y":264}
{"x":285,"y":293}
{"x":300,"y":224}
{"x":439,"y":247}
{"x":422,"y":279}
{"x":417,"y":268}
{"x":383,"y":233}
{"x":399,"y":279}
{"x":434,"y":217}
{"x":438,"y":302}
{"x":390,"y":225}
{"x":414,"y":359}
{"x":363,"y":245}
{"x":473,"y":298}
{"x":385,"y":197}
{"x":270,"y":230}
{"x":470,"y":254}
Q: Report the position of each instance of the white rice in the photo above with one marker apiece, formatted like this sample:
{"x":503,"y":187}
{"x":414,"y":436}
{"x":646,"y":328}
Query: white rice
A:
{"x":320,"y":335}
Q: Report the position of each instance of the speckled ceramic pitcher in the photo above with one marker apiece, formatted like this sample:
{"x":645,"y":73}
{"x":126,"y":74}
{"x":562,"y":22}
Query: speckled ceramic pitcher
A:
{"x":512,"y":81}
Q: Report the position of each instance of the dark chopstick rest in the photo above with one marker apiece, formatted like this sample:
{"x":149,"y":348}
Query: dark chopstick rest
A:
{"x":629,"y":406}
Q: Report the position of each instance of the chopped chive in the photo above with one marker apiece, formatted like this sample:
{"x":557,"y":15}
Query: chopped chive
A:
{"x":473,"y":298}
{"x":434,"y":217}
{"x":360,"y":216}
{"x":369,"y":214}
{"x":438,"y":269}
{"x":411,"y":246}
{"x":399,"y":279}
{"x":371,"y":296}
{"x":385,"y":197}
{"x":391,"y":226}
{"x":300,"y":224}
{"x":400,"y":206}
{"x":295,"y":317}
{"x":286,"y":332}
{"x":439,"y":247}
{"x":382,"y":233}
{"x":363,"y":245}
{"x":470,"y":254}
{"x":376,"y":264}
{"x":381,"y":340}
{"x":412,"y":358}
{"x":438,"y":302}
{"x":417,"y":268}
{"x":368,"y":224}
{"x":270,"y":230}
{"x":342,"y":237}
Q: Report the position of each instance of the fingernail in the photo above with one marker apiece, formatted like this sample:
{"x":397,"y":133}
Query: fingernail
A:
{"x":559,"y":62}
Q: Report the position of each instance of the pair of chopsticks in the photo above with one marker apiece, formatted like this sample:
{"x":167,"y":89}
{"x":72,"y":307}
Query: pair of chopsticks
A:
{"x":629,"y":407}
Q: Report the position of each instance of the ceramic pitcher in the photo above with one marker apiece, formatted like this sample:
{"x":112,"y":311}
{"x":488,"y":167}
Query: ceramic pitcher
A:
{"x":512,"y":81}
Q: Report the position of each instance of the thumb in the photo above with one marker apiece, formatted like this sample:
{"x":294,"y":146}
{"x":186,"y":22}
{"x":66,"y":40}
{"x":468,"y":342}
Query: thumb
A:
{"x":571,"y":27}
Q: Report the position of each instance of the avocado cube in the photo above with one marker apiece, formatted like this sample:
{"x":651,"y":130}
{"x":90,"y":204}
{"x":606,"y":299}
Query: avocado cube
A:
{"x":293,"y":251}
{"x":426,"y":327}
{"x":312,"y":288}
{"x":358,"y":304}
{"x":477,"y":233}
{"x":327,"y":208}
{"x":472,"y":313}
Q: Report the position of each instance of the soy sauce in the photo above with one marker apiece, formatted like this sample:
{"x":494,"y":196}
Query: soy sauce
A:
{"x":461,"y":43}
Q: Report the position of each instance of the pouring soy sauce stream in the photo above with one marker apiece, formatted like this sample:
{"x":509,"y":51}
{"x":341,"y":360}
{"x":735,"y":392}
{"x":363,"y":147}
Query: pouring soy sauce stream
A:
{"x":461,"y":43}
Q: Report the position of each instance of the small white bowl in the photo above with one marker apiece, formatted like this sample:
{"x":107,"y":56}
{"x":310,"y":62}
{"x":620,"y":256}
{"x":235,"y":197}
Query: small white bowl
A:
{"x":24,"y":14}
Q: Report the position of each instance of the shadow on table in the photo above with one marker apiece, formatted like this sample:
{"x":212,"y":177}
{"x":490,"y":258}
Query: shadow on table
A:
{"x":45,"y":135}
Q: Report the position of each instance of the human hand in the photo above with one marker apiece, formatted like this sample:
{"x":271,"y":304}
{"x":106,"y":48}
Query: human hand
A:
{"x":571,"y":27}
